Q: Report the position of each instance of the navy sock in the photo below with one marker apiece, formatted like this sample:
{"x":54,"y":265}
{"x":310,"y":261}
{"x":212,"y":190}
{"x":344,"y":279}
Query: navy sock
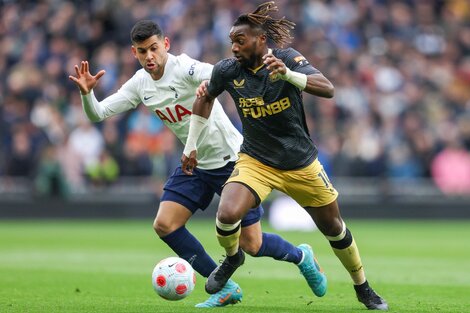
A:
{"x":187,"y":247}
{"x":276,"y":247}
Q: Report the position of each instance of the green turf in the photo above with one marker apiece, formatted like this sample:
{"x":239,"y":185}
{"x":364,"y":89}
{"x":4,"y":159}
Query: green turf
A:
{"x":105,"y":266}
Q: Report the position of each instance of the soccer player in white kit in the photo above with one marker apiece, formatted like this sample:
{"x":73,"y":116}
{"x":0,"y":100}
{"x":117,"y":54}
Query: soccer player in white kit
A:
{"x":167,"y":86}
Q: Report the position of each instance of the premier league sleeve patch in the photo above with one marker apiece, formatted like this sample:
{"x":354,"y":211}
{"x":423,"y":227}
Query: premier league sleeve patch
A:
{"x":301,"y":60}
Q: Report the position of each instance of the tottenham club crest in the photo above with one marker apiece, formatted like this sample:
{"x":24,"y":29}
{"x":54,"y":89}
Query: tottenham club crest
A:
{"x":174,"y":89}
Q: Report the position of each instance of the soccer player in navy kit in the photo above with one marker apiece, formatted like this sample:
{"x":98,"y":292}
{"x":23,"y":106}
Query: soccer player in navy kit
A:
{"x":277,"y":152}
{"x":167,"y":85}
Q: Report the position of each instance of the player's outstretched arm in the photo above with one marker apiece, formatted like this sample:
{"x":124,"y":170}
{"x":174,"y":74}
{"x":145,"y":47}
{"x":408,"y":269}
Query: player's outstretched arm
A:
{"x":84,"y":80}
{"x":199,"y":118}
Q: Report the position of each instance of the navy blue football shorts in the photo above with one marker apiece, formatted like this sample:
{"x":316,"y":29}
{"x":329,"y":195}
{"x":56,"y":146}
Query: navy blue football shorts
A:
{"x":196,"y":191}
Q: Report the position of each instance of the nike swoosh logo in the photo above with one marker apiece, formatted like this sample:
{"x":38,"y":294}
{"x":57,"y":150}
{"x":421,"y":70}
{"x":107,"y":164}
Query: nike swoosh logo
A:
{"x":146,"y":98}
{"x":175,"y":262}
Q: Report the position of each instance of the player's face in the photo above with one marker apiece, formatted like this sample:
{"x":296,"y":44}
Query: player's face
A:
{"x":152,"y":54}
{"x":248,"y":45}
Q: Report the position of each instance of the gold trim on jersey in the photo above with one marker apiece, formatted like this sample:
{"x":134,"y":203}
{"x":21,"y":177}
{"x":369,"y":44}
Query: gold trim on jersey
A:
{"x":255,"y":70}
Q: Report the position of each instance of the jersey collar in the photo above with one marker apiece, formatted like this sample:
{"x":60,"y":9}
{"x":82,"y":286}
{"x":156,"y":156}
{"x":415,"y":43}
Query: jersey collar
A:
{"x":255,"y":70}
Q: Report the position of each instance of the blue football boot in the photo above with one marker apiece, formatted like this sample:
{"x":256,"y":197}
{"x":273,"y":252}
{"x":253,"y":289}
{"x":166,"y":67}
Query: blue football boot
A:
{"x":230,"y":294}
{"x":312,"y":271}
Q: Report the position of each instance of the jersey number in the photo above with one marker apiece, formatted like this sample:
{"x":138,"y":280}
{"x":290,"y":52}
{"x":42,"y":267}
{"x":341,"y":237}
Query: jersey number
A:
{"x":173,"y":117}
{"x":324,"y":177}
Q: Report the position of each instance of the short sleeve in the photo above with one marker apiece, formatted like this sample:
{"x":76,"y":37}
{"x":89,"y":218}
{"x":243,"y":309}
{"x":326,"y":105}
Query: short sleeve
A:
{"x":193,"y":70}
{"x":297,"y":62}
{"x":216,"y":85}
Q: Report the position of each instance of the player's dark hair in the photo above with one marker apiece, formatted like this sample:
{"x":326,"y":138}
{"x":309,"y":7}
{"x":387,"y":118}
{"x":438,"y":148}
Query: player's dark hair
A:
{"x":278,"y":30}
{"x":145,"y":29}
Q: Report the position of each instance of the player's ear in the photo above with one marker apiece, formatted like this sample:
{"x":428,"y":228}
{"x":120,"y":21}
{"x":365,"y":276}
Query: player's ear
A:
{"x":167,"y":43}
{"x":134,"y":51}
{"x":262,"y":38}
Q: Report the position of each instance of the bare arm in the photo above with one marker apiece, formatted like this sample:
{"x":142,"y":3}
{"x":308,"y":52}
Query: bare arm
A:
{"x":204,"y":102}
{"x":319,"y":85}
{"x":202,"y":108}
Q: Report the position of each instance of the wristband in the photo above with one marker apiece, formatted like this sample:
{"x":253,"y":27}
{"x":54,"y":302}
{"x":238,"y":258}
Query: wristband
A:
{"x":196,"y":125}
{"x":297,"y":79}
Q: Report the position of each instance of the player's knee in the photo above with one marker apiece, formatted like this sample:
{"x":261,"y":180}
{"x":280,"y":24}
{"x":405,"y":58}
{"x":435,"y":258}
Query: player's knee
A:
{"x":228,"y":216}
{"x":162,"y":227}
{"x":333,"y":230}
{"x":336,"y":227}
{"x":330,"y":227}
{"x":336,"y":231}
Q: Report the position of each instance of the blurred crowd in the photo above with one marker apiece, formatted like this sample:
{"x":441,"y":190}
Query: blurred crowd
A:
{"x":401,"y":71}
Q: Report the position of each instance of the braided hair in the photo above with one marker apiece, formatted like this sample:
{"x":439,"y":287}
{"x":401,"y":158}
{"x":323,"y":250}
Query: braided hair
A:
{"x":278,"y":30}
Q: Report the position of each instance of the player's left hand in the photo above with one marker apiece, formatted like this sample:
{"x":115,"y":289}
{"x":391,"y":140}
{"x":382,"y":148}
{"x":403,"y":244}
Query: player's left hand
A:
{"x":188,"y":163}
{"x":274,"y":65}
{"x":202,"y":89}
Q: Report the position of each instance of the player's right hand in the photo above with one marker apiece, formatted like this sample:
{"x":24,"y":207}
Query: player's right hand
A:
{"x":84,"y":80}
{"x":188,"y":163}
{"x":274,"y":65}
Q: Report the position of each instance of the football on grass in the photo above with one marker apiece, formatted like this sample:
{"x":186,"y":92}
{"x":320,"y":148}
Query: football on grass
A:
{"x":173,"y":278}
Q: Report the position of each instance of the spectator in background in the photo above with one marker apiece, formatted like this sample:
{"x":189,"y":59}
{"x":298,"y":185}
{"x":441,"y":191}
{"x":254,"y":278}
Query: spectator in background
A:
{"x":50,"y":180}
{"x":135,"y":161}
{"x":103,"y":172}
{"x":451,"y":167}
{"x":144,"y":131}
{"x":21,"y":161}
{"x":111,"y":138}
{"x":87,"y":143}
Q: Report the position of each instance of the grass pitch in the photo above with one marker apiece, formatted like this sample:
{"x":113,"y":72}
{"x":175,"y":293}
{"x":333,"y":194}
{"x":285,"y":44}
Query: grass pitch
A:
{"x":105,"y":266}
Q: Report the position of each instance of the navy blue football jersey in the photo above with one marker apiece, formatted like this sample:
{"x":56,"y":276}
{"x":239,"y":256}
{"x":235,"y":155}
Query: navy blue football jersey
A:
{"x":271,"y":110}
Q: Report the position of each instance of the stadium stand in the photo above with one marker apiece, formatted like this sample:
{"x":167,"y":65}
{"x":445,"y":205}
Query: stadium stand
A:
{"x":400,"y":118}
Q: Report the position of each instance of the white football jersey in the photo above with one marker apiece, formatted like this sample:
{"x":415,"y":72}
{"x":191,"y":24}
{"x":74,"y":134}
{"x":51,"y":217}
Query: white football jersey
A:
{"x":171,"y":99}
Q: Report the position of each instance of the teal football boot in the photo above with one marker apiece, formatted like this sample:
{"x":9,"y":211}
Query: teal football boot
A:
{"x":312,"y":271}
{"x":230,"y":294}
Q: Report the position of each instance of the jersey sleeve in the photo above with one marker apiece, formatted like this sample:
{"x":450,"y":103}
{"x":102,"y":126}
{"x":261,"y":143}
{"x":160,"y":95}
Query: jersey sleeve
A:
{"x":129,"y":90}
{"x":297,"y":62}
{"x":195,"y":71}
{"x":216,"y":84}
{"x":121,"y":101}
